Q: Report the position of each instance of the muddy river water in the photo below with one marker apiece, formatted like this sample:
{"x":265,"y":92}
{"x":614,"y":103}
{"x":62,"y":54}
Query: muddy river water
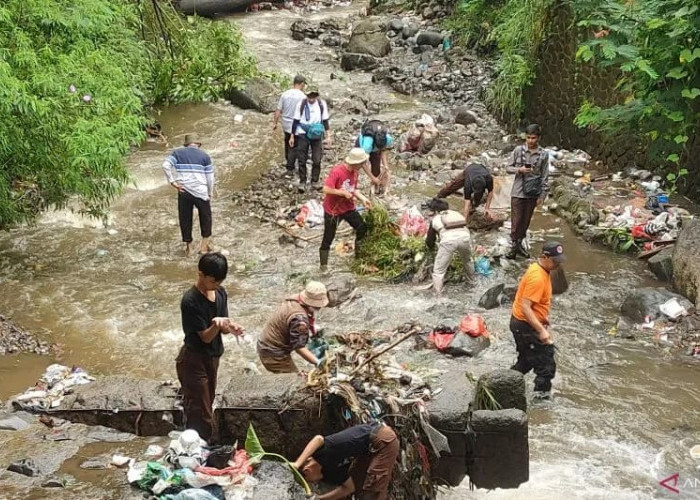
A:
{"x":625,"y":414}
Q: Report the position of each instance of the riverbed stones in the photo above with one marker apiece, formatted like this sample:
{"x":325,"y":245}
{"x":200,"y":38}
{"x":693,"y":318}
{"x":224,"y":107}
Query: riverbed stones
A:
{"x":13,"y":423}
{"x":498,"y":295}
{"x":352,"y":61}
{"x":339,"y":289}
{"x":661,"y":264}
{"x":25,"y":466}
{"x":13,"y":340}
{"x":369,"y":38}
{"x":643,"y":303}
{"x":258,"y":94}
{"x":686,"y":261}
{"x":432,"y":38}
{"x":395,"y":25}
{"x":409,"y":30}
{"x":465,"y":116}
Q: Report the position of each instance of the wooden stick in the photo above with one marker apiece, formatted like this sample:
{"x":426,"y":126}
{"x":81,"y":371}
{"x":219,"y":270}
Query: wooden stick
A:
{"x":411,"y":333}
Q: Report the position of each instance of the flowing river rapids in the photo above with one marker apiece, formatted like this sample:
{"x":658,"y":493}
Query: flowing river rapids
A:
{"x":625,"y":413}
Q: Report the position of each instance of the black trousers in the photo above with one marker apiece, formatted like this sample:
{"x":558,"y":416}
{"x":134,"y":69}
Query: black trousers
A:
{"x":375,"y":162}
{"x":330,"y":226}
{"x":185,"y":205}
{"x":521,"y":210}
{"x":301,"y":148}
{"x":533,"y":354}
{"x":287,"y":150}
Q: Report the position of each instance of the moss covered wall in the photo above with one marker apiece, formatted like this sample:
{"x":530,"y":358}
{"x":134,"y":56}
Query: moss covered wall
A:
{"x":561,"y":86}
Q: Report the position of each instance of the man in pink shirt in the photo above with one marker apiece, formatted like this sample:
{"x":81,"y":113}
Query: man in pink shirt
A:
{"x":340,"y":190}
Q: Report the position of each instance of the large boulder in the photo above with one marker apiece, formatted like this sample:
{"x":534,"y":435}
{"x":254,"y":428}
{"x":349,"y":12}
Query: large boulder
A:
{"x":661,"y":264}
{"x":365,"y":62}
{"x":340,"y":289}
{"x":258,"y":94}
{"x":432,"y":38}
{"x":465,"y":116}
{"x":644,"y":303}
{"x":686,"y":261}
{"x":369,"y":38}
{"x":302,"y":29}
{"x":498,"y":295}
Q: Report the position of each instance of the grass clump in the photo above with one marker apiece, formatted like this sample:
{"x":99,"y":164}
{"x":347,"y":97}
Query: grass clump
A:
{"x":384,"y":252}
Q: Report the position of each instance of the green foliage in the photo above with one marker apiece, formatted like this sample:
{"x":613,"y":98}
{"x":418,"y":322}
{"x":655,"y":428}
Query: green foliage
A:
{"x":257,"y":453}
{"x":74,"y":79}
{"x":383,"y":252}
{"x":516,"y":28}
{"x":620,"y":240}
{"x":192,"y":59}
{"x":52,"y":142}
{"x":655,"y":46}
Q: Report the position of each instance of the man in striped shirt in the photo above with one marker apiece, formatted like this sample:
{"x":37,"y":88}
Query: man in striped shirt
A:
{"x":194,"y":181}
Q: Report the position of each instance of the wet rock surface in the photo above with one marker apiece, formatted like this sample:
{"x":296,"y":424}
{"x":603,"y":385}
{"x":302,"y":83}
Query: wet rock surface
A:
{"x":275,"y":481}
{"x":15,"y":340}
{"x":643,"y":304}
{"x":686,"y":261}
{"x":258,"y":94}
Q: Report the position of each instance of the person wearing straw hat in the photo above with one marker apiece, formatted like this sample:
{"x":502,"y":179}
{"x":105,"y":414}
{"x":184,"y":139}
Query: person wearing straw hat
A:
{"x":194,"y":182}
{"x":340,"y":191}
{"x":289,"y":330}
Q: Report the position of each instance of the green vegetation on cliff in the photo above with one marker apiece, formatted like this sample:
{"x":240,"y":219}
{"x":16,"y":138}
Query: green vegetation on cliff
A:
{"x":75,"y":78}
{"x":652,"y":45}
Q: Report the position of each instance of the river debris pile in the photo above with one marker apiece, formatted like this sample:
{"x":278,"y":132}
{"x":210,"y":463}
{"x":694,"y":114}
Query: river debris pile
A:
{"x":49,"y":392}
{"x":364,"y":383}
{"x":14,"y":340}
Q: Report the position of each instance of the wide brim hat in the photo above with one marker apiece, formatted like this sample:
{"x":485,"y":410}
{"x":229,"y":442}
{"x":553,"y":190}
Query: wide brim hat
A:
{"x":312,"y":91}
{"x":314,"y":294}
{"x":192,"y":139}
{"x":357,"y":156}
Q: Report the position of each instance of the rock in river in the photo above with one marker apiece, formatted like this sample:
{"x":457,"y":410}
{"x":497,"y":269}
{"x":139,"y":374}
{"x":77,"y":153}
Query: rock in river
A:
{"x":258,"y":94}
{"x":645,"y":302}
{"x":686,"y":261}
{"x":369,"y":38}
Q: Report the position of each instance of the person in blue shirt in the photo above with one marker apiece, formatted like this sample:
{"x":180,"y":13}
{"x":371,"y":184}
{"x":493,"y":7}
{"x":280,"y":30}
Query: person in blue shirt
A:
{"x":376,"y":140}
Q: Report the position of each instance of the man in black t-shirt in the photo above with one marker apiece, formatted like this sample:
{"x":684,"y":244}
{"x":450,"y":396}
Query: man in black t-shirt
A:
{"x":204,"y":309}
{"x":358,"y":460}
{"x":476,"y":180}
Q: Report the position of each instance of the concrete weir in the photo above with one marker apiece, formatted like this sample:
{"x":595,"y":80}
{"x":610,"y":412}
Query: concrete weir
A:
{"x":490,"y":446}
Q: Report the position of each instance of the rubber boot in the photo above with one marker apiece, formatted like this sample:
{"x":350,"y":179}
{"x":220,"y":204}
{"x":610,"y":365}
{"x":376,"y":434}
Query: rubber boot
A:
{"x":522,"y":250}
{"x":323,"y":255}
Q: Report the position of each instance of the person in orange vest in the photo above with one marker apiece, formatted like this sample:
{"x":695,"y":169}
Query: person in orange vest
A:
{"x":529,"y":322}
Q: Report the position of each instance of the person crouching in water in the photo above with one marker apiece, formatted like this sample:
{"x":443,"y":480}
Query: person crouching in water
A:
{"x":359,"y":460}
{"x":289,"y":329}
{"x":451,"y":227}
{"x":340,"y":191}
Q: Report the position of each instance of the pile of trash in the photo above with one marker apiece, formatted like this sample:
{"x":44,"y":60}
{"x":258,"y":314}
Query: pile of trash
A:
{"x":364,"y":383}
{"x":421,"y":137}
{"x":56,"y":382}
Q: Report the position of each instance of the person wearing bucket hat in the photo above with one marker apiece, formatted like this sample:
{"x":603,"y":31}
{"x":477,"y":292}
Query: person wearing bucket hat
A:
{"x":194,"y":181}
{"x":311,"y":125}
{"x":289,"y":329}
{"x":529,"y":322}
{"x":340,"y":191}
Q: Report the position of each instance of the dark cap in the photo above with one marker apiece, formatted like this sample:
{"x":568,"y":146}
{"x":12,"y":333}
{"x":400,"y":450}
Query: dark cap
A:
{"x":299,"y":80}
{"x":312,"y":91}
{"x":554,"y":251}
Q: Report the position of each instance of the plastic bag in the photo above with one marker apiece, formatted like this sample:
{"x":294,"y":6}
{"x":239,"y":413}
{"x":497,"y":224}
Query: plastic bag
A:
{"x":482,"y":266}
{"x":412,"y":223}
{"x":473,"y":325}
{"x":310,"y":214}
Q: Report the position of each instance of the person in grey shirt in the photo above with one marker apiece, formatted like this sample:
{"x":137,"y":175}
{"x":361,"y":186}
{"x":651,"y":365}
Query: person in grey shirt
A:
{"x":530,"y":164}
{"x":286,"y":108}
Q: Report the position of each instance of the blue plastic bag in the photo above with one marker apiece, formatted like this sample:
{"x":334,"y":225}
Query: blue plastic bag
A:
{"x":482,"y":266}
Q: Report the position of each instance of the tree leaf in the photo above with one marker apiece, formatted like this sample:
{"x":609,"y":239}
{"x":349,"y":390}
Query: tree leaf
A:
{"x":676,"y":116}
{"x":687,"y":56}
{"x":671,"y":176}
{"x":680,"y":139}
{"x":644,"y":65}
{"x":673,"y":158}
{"x":678,"y":72}
{"x":690,"y":93}
{"x":252,"y":445}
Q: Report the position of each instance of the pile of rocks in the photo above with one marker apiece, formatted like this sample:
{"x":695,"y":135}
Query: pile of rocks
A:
{"x":14,"y":340}
{"x":328,"y":32}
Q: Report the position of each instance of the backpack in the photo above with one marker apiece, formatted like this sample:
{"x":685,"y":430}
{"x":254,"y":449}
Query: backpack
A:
{"x":377,"y":130}
{"x":313,"y":130}
{"x":532,"y":182}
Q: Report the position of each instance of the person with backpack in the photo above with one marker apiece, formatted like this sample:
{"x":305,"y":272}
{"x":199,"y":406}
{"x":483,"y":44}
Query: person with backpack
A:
{"x":287,"y":108}
{"x":340,"y":191}
{"x":376,"y":140}
{"x":530,"y":164}
{"x":310,"y":126}
{"x":451,"y":228}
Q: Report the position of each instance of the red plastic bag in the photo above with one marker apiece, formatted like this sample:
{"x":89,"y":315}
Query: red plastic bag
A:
{"x":637,"y":232}
{"x":474,"y":326}
{"x":441,"y":339}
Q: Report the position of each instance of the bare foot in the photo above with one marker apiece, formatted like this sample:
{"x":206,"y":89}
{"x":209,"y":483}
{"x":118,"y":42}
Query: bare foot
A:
{"x":188,"y":250}
{"x":205,"y":247}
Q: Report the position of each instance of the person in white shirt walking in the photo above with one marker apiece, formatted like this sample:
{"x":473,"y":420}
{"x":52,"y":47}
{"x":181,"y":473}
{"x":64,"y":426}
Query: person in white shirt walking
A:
{"x":194,"y":181}
{"x":450,"y":228}
{"x":310,"y":127}
{"x":286,"y":108}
